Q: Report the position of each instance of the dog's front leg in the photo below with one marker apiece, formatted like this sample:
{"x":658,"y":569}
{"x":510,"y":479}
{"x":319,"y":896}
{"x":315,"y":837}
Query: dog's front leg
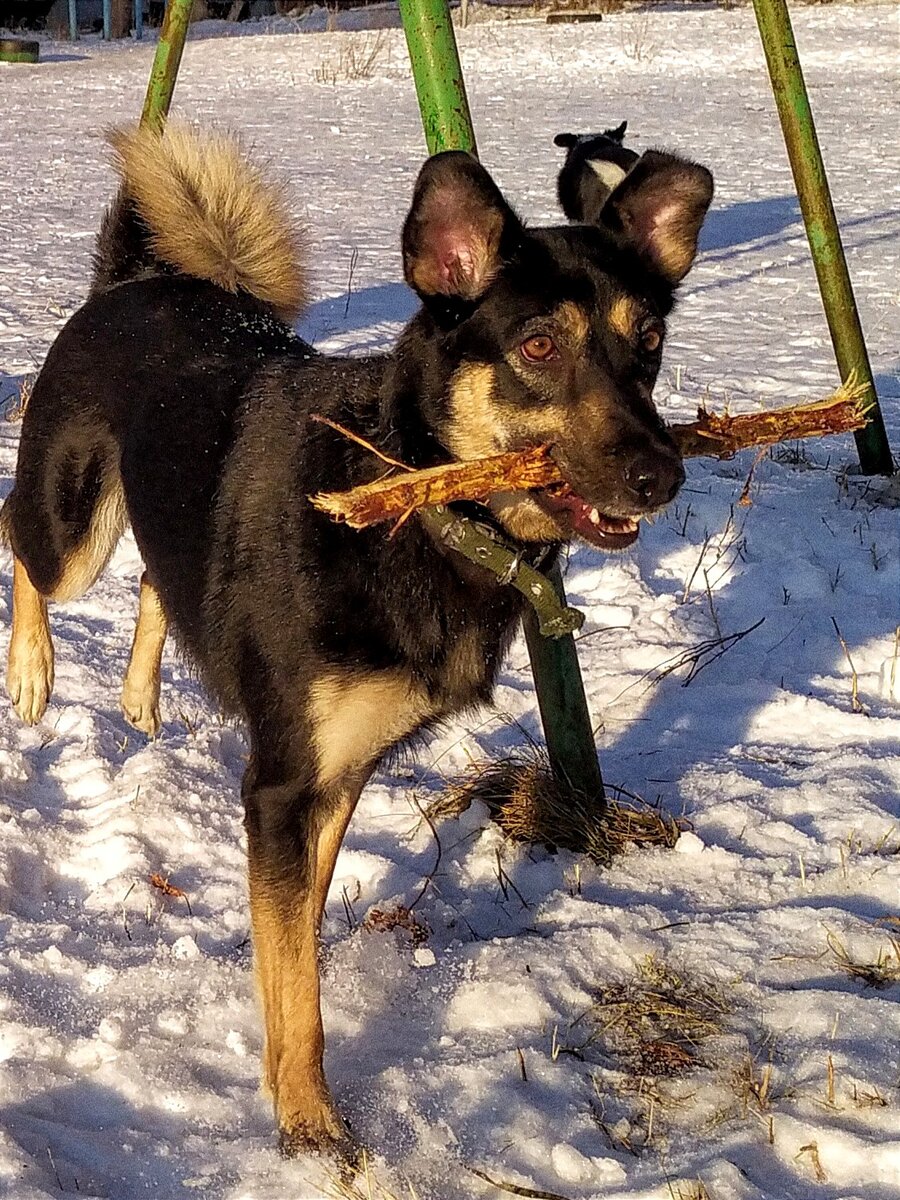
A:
{"x":294,"y":834}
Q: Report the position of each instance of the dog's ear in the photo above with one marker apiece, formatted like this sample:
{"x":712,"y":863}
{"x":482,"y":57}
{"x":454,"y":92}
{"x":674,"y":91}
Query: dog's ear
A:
{"x":658,"y":209}
{"x":617,"y":134}
{"x":458,"y":229}
{"x":566,"y":139}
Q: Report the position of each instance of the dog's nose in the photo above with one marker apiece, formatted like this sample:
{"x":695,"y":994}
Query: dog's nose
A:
{"x":653,"y":480}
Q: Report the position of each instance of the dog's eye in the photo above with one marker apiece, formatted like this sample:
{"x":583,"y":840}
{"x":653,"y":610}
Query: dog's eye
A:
{"x":539,"y":348}
{"x":651,"y":339}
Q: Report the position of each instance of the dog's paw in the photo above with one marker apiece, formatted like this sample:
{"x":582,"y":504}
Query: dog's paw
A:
{"x":29,"y":678}
{"x":324,"y":1133}
{"x":140,"y":706}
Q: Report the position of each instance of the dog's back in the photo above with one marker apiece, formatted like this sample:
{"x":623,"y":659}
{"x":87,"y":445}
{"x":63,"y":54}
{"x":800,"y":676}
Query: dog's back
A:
{"x":595,"y":164}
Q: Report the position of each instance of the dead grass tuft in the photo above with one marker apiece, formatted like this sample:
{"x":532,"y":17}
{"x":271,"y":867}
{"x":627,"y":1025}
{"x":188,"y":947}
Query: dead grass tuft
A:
{"x":531,"y":805}
{"x":752,"y":1086}
{"x":17,"y":403}
{"x":384,"y":920}
{"x":880,"y":973}
{"x":690,"y":1189}
{"x":659,"y":1019}
{"x":362,"y":1185}
{"x":357,"y":58}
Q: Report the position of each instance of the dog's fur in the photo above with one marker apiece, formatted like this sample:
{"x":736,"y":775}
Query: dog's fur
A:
{"x":177,"y":398}
{"x":596,"y":163}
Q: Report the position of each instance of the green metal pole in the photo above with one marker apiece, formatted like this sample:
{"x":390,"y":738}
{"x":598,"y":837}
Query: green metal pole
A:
{"x":166,"y":62}
{"x":563,"y":704}
{"x":821,"y":225}
{"x":554,"y":661}
{"x":438,"y":75}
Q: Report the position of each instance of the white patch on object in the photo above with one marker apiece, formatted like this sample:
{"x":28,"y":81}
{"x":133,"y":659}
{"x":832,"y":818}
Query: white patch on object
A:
{"x":185,"y":948}
{"x":52,"y":956}
{"x":172,"y":1022}
{"x":99,"y":977}
{"x":110,"y":1030}
{"x":607,"y":172}
{"x":689,"y":843}
{"x":483,"y":1006}
{"x":570,"y":1164}
{"x":235,"y":1043}
{"x":423,"y":957}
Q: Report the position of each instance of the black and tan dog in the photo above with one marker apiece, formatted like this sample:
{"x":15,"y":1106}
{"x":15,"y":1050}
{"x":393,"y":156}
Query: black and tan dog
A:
{"x":178,"y":399}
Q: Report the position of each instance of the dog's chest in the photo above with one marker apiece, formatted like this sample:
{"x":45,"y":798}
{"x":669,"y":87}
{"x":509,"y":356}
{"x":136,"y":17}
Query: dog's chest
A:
{"x":466,"y":672}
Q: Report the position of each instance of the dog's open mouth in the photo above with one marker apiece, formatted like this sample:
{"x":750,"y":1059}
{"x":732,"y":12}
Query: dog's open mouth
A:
{"x":583,"y":519}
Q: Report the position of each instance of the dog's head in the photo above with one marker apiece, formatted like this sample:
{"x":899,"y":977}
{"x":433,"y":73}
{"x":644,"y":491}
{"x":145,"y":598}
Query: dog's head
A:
{"x":554,"y":336}
{"x":568,"y":140}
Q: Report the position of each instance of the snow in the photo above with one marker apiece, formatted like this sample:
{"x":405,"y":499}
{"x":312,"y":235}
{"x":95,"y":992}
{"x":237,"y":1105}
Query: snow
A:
{"x":129,"y":1029}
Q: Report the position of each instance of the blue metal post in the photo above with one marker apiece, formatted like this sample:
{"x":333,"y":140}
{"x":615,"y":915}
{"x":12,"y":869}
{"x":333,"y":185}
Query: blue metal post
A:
{"x":107,"y":19}
{"x":138,"y":19}
{"x":73,"y":20}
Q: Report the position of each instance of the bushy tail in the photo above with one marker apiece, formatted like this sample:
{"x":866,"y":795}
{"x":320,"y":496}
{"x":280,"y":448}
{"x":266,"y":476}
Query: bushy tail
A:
{"x":191,"y":201}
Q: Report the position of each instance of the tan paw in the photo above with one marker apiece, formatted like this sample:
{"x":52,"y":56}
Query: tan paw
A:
{"x":29,"y":678}
{"x":321,"y":1132}
{"x":140,"y":706}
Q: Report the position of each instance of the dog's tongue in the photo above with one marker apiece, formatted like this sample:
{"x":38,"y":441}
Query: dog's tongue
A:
{"x":608,"y":533}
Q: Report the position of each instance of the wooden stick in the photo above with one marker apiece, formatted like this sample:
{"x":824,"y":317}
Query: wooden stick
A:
{"x":711,"y":435}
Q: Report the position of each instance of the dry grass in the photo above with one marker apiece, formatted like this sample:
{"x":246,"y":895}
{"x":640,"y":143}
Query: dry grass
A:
{"x":752,"y":1086}
{"x":16,"y":404}
{"x":362,"y":1185}
{"x":880,"y":973}
{"x":659,"y":1020}
{"x":384,"y":920}
{"x":531,"y":805}
{"x":357,"y":58}
{"x":689,"y":1189}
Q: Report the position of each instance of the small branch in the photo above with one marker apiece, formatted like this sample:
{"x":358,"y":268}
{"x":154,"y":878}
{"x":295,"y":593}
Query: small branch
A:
{"x":710,"y":435}
{"x":388,"y":499}
{"x":360,"y":441}
{"x":701,"y":655}
{"x":515,"y":1189}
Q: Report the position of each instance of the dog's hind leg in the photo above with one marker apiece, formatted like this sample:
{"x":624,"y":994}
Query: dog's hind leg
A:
{"x":29,"y":671}
{"x":63,"y":518}
{"x":140,"y":688}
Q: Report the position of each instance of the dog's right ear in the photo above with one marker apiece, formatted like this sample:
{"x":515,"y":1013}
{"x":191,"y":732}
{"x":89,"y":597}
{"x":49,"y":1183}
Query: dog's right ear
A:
{"x":566,"y":139}
{"x":459,"y":229}
{"x":617,"y":134}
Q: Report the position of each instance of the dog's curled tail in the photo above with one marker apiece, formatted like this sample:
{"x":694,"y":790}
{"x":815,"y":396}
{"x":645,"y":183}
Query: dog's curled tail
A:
{"x":193,"y":202}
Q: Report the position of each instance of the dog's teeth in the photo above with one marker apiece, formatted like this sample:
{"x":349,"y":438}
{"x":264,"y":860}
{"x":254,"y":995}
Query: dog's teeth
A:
{"x":594,"y":517}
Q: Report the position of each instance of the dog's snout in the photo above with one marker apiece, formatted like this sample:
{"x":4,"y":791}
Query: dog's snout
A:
{"x":654,"y":480}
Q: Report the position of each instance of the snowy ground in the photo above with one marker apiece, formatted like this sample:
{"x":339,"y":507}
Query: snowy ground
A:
{"x":130,"y":1036}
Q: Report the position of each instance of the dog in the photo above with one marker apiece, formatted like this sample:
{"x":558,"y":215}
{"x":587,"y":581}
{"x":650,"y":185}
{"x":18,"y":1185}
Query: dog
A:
{"x":596,"y":163}
{"x":178,"y":399}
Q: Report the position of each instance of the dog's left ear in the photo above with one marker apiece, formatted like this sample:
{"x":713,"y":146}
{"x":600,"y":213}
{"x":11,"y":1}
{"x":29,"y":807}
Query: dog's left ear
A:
{"x":459,"y":229}
{"x":658,"y":209}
